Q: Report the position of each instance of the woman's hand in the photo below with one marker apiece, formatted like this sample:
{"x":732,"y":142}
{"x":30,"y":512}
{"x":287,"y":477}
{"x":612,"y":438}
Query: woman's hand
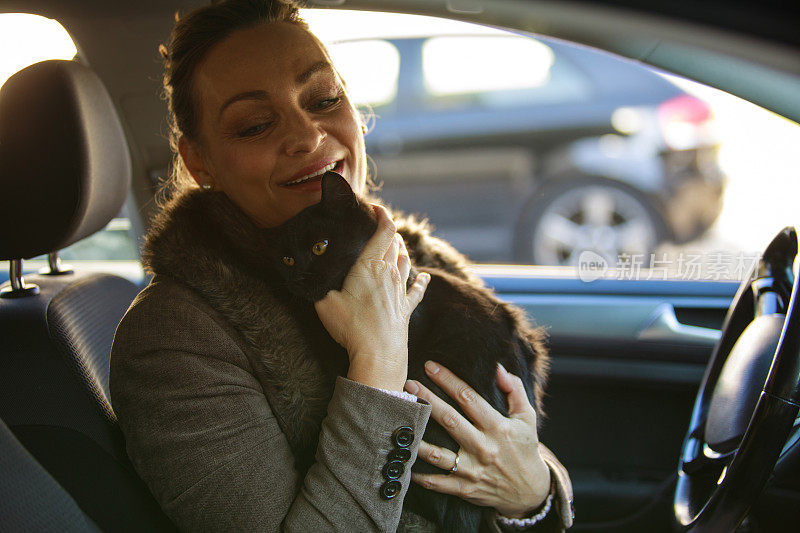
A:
{"x":499,"y":463}
{"x":369,"y":316}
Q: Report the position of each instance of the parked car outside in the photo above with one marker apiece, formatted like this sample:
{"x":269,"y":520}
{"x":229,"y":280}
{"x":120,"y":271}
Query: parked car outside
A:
{"x":556,"y":150}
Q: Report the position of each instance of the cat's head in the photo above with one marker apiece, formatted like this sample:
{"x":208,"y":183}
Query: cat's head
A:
{"x":314,"y":250}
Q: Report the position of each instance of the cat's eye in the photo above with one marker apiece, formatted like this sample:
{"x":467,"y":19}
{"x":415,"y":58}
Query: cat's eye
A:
{"x":288,"y":261}
{"x":320,"y":247}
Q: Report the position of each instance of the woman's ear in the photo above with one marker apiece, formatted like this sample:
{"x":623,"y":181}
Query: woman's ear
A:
{"x":194,"y":163}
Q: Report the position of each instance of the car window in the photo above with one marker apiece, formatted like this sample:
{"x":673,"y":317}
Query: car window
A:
{"x":115,"y":242}
{"x":580,"y":160}
{"x":525,"y":150}
{"x":27,"y":39}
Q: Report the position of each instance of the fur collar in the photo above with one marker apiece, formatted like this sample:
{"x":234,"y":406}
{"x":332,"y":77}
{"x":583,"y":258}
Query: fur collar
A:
{"x":204,"y":241}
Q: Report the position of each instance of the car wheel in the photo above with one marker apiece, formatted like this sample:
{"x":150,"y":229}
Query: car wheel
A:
{"x":601,"y":216}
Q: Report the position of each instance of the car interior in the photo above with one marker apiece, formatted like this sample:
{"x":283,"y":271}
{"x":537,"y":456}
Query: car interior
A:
{"x":672,"y":403}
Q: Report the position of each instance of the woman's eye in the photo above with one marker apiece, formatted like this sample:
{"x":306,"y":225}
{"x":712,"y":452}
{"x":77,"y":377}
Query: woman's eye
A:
{"x":253,"y":130}
{"x":326,"y":103}
{"x":320,"y":247}
{"x":288,"y":261}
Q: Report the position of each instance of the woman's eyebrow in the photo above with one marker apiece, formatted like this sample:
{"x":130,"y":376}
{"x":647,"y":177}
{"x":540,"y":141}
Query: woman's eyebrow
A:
{"x":313,"y":69}
{"x":301,"y":79}
{"x":248,"y":95}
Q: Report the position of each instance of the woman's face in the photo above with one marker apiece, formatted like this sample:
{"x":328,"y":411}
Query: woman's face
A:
{"x":272,"y":111}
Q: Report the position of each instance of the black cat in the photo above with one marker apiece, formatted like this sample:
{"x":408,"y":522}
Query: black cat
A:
{"x":463,"y":326}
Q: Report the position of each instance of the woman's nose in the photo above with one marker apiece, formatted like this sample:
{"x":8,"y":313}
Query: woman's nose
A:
{"x":303,"y":134}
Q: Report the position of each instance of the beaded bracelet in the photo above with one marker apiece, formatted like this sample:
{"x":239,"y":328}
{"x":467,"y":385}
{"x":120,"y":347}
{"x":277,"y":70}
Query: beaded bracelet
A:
{"x":521,"y":523}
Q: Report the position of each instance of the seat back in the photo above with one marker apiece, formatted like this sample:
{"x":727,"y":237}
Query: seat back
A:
{"x":64,"y":162}
{"x":32,"y":499}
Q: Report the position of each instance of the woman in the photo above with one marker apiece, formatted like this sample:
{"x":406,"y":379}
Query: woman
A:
{"x":227,"y":417}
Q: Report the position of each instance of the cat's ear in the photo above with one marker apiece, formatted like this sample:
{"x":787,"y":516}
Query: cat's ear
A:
{"x":336,"y":192}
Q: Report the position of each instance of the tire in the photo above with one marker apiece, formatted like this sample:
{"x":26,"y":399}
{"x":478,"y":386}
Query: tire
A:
{"x":569,"y":217}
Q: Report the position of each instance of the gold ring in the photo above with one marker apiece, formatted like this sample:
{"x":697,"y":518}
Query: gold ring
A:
{"x":455,"y":466}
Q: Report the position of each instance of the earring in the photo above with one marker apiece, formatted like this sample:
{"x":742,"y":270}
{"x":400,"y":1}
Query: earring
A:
{"x":364,"y":129}
{"x":208,"y":186}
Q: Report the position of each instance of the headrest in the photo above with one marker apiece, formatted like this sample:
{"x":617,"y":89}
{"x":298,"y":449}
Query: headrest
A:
{"x":65,"y":169}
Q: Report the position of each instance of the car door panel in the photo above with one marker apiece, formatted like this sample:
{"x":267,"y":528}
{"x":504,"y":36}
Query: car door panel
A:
{"x":622,"y":384}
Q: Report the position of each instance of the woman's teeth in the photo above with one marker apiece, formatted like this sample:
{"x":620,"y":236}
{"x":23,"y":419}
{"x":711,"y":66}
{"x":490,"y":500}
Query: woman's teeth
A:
{"x":314,"y":175}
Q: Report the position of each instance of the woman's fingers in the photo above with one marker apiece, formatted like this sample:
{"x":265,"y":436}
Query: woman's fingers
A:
{"x":393,"y":252}
{"x":404,"y":261}
{"x":446,"y":484}
{"x":482,"y":414}
{"x":451,"y":420}
{"x":382,"y":239}
{"x":437,"y":456}
{"x":519,"y":406}
{"x":499,"y":465}
{"x":417,"y":290}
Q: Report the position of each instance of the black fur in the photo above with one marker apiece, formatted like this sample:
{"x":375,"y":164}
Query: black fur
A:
{"x":463,"y":326}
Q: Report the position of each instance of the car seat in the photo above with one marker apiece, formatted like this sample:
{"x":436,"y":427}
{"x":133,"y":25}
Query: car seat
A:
{"x":65,"y":173}
{"x":32,"y":500}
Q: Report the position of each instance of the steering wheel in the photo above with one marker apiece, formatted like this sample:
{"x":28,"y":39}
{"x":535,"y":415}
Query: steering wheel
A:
{"x":748,"y":401}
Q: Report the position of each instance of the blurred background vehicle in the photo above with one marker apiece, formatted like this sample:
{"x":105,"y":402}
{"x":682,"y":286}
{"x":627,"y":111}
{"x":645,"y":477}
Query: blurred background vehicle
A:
{"x":555,"y":148}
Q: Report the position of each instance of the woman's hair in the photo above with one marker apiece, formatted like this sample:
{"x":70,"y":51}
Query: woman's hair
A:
{"x":192,"y":38}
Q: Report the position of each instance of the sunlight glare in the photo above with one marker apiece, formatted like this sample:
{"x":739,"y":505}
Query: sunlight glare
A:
{"x":376,"y":85}
{"x":756,"y":147}
{"x":32,"y":39}
{"x":465,"y":64}
{"x":332,"y":25}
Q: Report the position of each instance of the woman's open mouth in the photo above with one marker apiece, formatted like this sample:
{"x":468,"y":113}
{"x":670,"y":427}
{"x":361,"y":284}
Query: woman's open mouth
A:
{"x":313,"y":181}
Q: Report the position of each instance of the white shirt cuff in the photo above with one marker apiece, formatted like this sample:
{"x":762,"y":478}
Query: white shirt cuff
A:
{"x":400,"y":394}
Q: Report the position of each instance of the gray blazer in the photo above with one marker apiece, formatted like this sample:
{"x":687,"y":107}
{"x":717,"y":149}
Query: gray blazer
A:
{"x":221,"y":404}
{"x":200,"y":431}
